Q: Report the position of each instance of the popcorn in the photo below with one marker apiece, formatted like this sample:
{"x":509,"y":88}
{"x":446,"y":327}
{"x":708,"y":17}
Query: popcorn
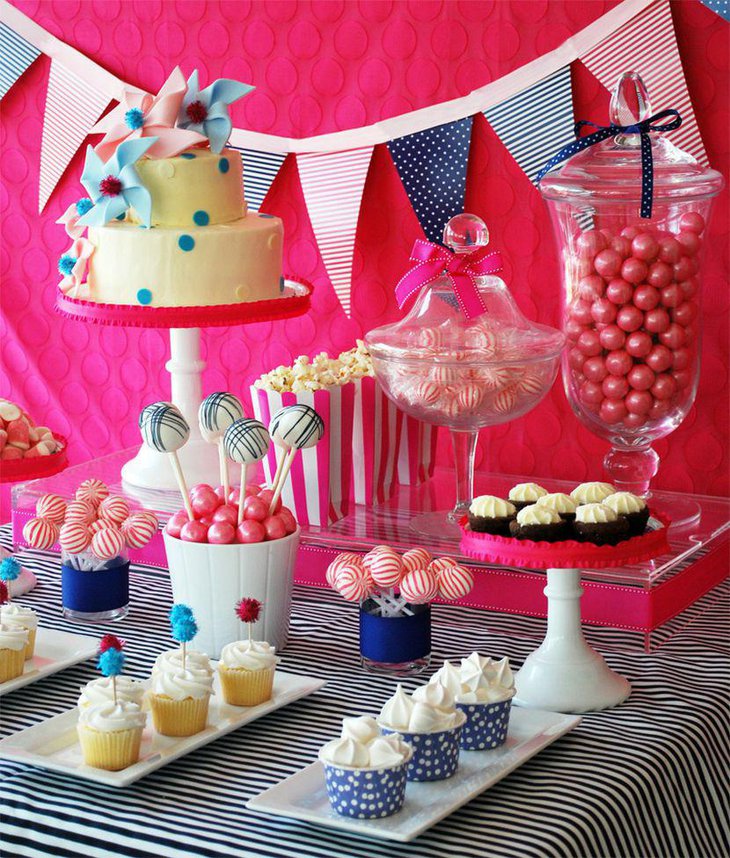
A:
{"x":319,"y":372}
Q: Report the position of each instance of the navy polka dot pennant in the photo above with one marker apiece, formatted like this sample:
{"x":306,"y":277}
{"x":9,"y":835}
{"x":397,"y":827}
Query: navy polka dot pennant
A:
{"x":605,"y":131}
{"x":719,"y":7}
{"x":432,"y":166}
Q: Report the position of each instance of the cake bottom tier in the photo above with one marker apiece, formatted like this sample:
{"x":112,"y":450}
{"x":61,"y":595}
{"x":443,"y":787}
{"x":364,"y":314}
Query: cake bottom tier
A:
{"x":176,"y":267}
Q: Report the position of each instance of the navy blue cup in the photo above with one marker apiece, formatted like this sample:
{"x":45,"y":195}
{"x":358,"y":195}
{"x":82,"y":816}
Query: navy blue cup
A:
{"x":101,"y":594}
{"x":402,"y":643}
{"x":486,"y":725}
{"x":435,"y":755}
{"x":366,"y":793}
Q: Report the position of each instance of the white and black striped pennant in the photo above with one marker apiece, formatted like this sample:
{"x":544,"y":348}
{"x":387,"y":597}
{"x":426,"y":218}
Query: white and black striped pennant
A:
{"x":16,"y":55}
{"x":259,"y":171}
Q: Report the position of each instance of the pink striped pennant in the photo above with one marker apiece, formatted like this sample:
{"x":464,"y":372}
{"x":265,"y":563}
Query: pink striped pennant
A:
{"x":333,"y":184}
{"x":647,"y":44}
{"x":72,"y":107}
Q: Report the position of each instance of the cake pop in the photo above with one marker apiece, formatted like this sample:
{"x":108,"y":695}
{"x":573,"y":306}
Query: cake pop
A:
{"x":245,"y":441}
{"x":164,"y":429}
{"x":216,"y":413}
{"x":294,"y":427}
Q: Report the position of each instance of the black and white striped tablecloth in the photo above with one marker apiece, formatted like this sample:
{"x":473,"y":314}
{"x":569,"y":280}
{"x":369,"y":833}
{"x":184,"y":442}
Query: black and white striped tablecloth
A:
{"x":646,"y":779}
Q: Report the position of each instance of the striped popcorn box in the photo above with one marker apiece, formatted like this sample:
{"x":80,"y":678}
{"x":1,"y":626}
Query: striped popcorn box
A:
{"x":376,"y":438}
{"x":417,"y":451}
{"x":318,"y":487}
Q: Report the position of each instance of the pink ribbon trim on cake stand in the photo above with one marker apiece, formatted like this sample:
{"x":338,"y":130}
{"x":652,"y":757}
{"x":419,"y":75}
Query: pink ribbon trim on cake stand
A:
{"x":462,"y":269}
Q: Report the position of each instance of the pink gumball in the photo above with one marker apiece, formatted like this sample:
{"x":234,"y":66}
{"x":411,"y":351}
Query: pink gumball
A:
{"x":664,"y":387}
{"x":290,"y":523}
{"x":621,"y":245}
{"x":683,"y":269}
{"x":691,"y":333}
{"x":205,"y":503}
{"x":673,"y":337}
{"x":591,"y":393}
{"x":615,"y":387}
{"x":200,"y":487}
{"x":233,"y":497}
{"x":659,"y":409}
{"x":619,"y":291}
{"x":594,"y":369}
{"x":690,"y":242}
{"x":221,"y":533}
{"x":176,"y":522}
{"x":576,"y":359}
{"x":255,"y":509}
{"x":630,"y":232}
{"x":274,"y":527}
{"x":692,"y":221}
{"x":249,"y":531}
{"x":672,"y":295}
{"x":613,"y":411}
{"x":194,"y":531}
{"x":670,"y":251}
{"x":659,"y":358}
{"x":641,"y":377}
{"x":591,"y":242}
{"x":591,"y":287}
{"x":226,"y":513}
{"x":646,"y":297}
{"x":638,"y":401}
{"x":685,"y":313}
{"x":681,"y":359}
{"x":252,"y":490}
{"x":634,"y":270}
{"x":660,"y":275}
{"x":589,"y":343}
{"x":581,"y":312}
{"x":638,"y":344}
{"x":573,"y":329}
{"x":207,"y":520}
{"x":634,"y":421}
{"x":612,"y":337}
{"x":267,"y":496}
{"x":656,"y":320}
{"x":608,"y":263}
{"x":603,"y":311}
{"x":619,"y":362}
{"x":645,"y":247}
{"x":629,"y":318}
{"x":683,"y":378}
{"x":220,"y":493}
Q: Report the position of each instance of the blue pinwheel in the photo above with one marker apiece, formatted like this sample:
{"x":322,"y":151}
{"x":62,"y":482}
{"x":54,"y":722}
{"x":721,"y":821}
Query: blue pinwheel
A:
{"x":206,"y":110}
{"x":115,"y":186}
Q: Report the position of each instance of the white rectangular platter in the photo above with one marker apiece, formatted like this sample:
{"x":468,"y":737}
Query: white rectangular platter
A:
{"x":304,"y":795}
{"x":54,"y":651}
{"x":53,"y":744}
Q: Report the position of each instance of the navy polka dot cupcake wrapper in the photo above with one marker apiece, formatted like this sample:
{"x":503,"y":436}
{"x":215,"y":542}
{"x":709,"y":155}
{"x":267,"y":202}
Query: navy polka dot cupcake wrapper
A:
{"x":435,"y":755}
{"x":486,"y":725}
{"x":366,"y":794}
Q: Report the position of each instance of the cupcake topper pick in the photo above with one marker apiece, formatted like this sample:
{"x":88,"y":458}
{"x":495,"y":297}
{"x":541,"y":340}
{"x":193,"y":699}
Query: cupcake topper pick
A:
{"x":111,"y":659}
{"x":294,"y":427}
{"x":215,"y":415}
{"x":164,"y":429}
{"x":246,"y":441}
{"x":184,"y":627}
{"x":10,"y":569}
{"x":248,"y":611}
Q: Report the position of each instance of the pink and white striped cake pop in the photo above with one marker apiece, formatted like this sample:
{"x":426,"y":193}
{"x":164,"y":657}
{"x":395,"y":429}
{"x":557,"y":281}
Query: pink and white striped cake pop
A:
{"x":149,"y":516}
{"x":353,"y":583}
{"x":137,"y":530}
{"x":40,"y":533}
{"x":92,"y":490}
{"x":415,"y":558}
{"x":376,"y":552}
{"x":345,"y":559}
{"x":74,"y":537}
{"x":114,"y":508}
{"x":51,"y":507}
{"x":438,"y":565}
{"x":419,"y":587}
{"x":386,"y":569}
{"x":107,"y":543}
{"x":101,"y":524}
{"x":81,"y":511}
{"x":455,"y":582}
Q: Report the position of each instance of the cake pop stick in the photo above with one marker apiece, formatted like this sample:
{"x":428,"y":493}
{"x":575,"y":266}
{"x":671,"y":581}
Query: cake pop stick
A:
{"x":246,"y":441}
{"x":294,"y":427}
{"x":216,"y":414}
{"x":165,"y":429}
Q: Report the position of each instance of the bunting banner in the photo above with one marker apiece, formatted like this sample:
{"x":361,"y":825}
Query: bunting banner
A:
{"x":333,"y":185}
{"x":648,"y":45}
{"x":719,"y":7}
{"x":72,"y":108}
{"x":531,"y":143}
{"x":259,"y":171}
{"x":432,"y":166}
{"x":16,"y":55}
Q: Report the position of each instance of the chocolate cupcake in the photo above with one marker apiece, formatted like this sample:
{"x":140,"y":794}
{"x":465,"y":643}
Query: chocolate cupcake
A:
{"x":599,"y":524}
{"x":592,"y":492}
{"x":540,"y":524}
{"x":561,"y":503}
{"x":633,"y":508}
{"x":490,"y":514}
{"x":525,"y":494}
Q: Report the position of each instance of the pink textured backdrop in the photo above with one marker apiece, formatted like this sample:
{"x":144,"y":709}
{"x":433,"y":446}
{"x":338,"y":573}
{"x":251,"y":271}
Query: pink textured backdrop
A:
{"x":319,"y":67}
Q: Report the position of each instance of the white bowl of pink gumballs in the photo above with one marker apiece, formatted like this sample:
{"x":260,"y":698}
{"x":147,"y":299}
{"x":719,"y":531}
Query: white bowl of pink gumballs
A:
{"x":213,"y":560}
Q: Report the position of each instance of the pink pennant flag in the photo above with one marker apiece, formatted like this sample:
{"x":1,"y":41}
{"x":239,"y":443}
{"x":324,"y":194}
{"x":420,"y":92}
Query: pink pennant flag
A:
{"x":333,"y":184}
{"x":72,"y":107}
{"x":647,"y":44}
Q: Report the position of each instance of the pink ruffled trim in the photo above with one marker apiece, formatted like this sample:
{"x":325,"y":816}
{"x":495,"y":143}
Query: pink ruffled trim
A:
{"x":21,"y":470}
{"x":568,"y":554}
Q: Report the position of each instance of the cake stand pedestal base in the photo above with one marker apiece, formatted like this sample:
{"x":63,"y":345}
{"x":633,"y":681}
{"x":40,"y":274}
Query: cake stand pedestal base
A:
{"x":565,"y":674}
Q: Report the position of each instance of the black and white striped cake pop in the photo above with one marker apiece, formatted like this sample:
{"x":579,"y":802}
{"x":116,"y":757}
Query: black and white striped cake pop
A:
{"x":296,"y":426}
{"x":246,"y":440}
{"x":218,"y":411}
{"x":163,"y":427}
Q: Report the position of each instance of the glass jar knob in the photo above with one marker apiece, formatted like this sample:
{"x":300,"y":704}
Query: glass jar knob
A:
{"x":465,"y":232}
{"x":629,"y":105}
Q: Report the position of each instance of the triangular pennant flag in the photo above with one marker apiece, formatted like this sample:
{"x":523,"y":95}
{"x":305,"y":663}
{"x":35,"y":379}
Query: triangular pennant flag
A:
{"x":535,"y":123}
{"x":720,"y":7}
{"x":15,"y":56}
{"x":259,"y":171}
{"x":333,"y":183}
{"x":432,"y":166}
{"x":647,"y":44}
{"x":72,"y":107}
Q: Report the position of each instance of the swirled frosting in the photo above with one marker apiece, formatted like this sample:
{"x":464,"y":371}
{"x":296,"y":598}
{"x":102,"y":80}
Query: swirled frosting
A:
{"x":409,"y":715}
{"x":13,"y":614}
{"x":559,"y":502}
{"x":361,"y":729}
{"x":489,"y":506}
{"x":110,"y":717}
{"x":248,"y":655}
{"x":592,"y":492}
{"x":449,"y":676}
{"x":595,"y":513}
{"x":480,"y":679}
{"x":378,"y":752}
{"x":624,"y":503}
{"x":436,"y":696}
{"x":536,"y":514}
{"x":101,"y":691}
{"x":181,"y":684}
{"x":526,"y":492}
{"x":13,"y":636}
{"x":196,"y":662}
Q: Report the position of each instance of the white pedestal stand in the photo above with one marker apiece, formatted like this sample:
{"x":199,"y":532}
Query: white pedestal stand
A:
{"x":565,"y":674}
{"x":199,"y":459}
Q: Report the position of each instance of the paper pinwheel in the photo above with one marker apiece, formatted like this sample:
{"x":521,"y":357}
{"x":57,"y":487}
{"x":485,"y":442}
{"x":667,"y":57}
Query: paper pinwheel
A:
{"x":115,"y":186}
{"x":141,"y":115}
{"x":70,"y":218}
{"x":206,"y":110}
{"x":73,"y":266}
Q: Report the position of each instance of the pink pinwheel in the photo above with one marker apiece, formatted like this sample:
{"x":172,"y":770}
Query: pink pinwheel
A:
{"x":73,"y":266}
{"x":143,"y":115}
{"x":70,"y":218}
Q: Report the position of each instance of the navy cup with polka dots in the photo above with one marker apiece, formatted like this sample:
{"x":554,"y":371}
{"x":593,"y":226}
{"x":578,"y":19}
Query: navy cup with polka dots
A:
{"x":366,"y":793}
{"x":486,"y":725}
{"x":435,"y":755}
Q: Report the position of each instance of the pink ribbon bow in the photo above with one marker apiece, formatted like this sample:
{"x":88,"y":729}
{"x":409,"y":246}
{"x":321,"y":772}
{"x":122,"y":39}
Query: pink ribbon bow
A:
{"x":462,"y":269}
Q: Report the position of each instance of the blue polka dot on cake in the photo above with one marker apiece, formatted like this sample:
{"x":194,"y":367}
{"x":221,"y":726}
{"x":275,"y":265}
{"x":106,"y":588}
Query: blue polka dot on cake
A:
{"x":187,"y":155}
{"x":201,"y":218}
{"x":186,"y":242}
{"x":144,"y":296}
{"x":223,"y":165}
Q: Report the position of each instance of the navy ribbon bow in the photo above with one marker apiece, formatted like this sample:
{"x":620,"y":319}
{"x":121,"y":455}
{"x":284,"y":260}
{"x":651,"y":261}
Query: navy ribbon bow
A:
{"x":605,"y":131}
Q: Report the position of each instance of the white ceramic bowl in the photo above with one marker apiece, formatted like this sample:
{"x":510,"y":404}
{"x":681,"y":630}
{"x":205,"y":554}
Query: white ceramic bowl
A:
{"x":212,"y":578}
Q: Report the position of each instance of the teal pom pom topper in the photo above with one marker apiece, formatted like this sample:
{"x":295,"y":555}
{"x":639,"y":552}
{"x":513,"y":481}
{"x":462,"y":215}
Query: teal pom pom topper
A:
{"x":185,"y":629}
{"x":179,"y":612}
{"x":134,"y":118}
{"x":111,"y":662}
{"x":9,"y":569}
{"x":66,"y":264}
{"x":84,"y":205}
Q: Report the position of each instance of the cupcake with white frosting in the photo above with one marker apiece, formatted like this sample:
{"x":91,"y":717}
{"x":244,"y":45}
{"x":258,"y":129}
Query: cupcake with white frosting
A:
{"x":430,"y":723}
{"x":13,"y":614}
{"x":633,"y":508}
{"x":365,"y":771}
{"x":561,"y":503}
{"x":247,"y":668}
{"x":110,"y":734}
{"x":13,"y":641}
{"x":539,"y":524}
{"x":599,"y":524}
{"x":525,"y":494}
{"x":172,"y":659}
{"x":102,"y":691}
{"x":595,"y":492}
{"x":490,"y":514}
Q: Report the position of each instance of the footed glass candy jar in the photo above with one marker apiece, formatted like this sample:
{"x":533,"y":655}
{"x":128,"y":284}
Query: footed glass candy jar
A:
{"x":464,"y":357}
{"x":631,"y":264}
